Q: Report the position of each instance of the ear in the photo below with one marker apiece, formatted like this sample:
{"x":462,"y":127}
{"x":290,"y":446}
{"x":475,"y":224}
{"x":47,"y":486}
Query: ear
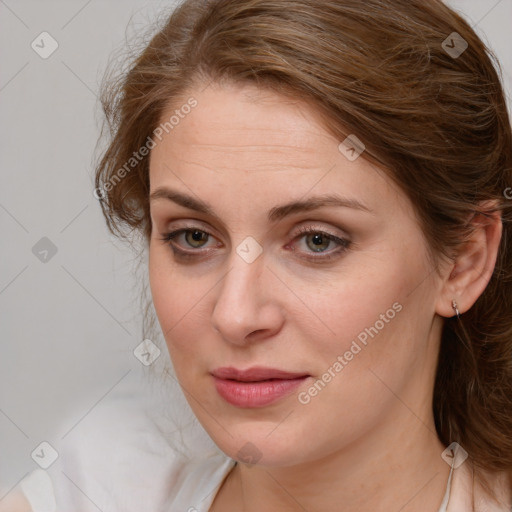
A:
{"x":468,"y":276}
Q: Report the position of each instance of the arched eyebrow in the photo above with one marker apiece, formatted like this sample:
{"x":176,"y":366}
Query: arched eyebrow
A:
{"x":275,"y":214}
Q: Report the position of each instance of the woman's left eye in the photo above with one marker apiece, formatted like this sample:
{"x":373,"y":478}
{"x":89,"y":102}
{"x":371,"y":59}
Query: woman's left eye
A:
{"x":316,"y":240}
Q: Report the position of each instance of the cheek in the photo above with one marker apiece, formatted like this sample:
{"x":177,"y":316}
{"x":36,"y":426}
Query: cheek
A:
{"x":167,"y":291}
{"x":367,"y":320}
{"x":351,"y":305}
{"x":179,"y":297}
{"x":355,"y":370}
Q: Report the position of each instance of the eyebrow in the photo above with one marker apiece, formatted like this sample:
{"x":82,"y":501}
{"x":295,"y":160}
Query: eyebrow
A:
{"x":274,"y":214}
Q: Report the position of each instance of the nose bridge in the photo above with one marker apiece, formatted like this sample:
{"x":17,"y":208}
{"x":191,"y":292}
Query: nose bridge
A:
{"x":246,"y":264}
{"x":239,"y":287}
{"x":242,"y":305}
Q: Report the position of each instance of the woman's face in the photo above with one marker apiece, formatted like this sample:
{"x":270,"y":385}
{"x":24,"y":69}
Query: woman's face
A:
{"x":342,"y":295}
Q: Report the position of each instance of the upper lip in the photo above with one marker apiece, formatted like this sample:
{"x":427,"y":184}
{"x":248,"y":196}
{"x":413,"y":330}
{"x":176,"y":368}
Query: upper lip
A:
{"x":254,"y":374}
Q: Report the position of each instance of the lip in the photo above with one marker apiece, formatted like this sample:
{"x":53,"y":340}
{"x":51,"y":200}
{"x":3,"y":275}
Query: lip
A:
{"x":255,"y":374}
{"x":255,"y":387}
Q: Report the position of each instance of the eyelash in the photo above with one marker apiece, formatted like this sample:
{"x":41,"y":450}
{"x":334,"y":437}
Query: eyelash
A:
{"x":308,"y":230}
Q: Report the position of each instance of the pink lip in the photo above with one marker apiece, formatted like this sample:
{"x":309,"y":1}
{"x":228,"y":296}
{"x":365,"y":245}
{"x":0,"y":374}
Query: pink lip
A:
{"x":255,"y":387}
{"x":254,"y":374}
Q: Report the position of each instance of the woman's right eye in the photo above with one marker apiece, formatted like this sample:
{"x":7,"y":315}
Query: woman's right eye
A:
{"x":194,"y":237}
{"x":191,"y":237}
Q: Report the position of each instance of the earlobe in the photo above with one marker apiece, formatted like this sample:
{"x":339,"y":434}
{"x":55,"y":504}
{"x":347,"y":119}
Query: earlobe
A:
{"x":474,"y":264}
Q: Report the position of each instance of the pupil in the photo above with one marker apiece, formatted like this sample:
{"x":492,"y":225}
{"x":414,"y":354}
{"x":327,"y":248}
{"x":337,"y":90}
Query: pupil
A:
{"x":196,"y":237}
{"x":318,"y":241}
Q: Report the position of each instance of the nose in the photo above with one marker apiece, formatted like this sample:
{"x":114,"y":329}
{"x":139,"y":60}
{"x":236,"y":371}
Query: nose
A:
{"x":247,"y":309}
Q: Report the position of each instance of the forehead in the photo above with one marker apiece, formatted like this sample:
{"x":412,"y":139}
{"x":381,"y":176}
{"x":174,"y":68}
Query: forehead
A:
{"x":260,"y":144}
{"x":251,"y":122}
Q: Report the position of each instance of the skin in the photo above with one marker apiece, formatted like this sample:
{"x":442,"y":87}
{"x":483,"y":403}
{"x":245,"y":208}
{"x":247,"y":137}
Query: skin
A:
{"x":367,"y":440}
{"x":15,"y":502}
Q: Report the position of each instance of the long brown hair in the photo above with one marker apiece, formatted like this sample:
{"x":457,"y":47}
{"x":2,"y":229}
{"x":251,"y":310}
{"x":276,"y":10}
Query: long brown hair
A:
{"x":415,"y":83}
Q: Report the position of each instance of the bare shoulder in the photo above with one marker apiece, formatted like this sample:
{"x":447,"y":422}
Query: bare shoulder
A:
{"x":15,"y":502}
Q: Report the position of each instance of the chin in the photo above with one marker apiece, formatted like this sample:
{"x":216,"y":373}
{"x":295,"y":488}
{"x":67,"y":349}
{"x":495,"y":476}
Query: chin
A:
{"x":253,"y":445}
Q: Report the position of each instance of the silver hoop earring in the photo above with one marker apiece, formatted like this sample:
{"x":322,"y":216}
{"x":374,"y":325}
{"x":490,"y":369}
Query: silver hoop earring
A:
{"x":454,"y":306}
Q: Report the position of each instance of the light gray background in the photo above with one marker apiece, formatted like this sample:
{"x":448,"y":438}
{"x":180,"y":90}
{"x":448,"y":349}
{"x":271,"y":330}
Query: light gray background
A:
{"x":69,"y":326}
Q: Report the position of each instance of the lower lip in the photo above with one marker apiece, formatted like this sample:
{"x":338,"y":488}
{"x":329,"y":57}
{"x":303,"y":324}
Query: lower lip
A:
{"x":256,"y":394}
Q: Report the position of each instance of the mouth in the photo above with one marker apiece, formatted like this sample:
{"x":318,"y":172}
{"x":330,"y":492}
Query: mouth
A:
{"x":255,"y":387}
